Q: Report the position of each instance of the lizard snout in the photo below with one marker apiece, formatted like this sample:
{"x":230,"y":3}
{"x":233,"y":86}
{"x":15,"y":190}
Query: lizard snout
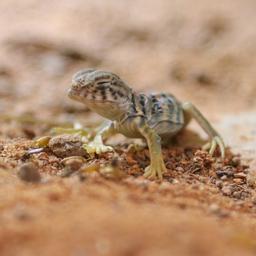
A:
{"x":72,"y":92}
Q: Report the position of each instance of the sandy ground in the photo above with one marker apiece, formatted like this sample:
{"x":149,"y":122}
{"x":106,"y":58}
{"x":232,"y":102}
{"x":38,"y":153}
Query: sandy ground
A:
{"x":203,"y":52}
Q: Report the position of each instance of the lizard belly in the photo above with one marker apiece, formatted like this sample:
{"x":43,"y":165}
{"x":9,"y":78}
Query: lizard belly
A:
{"x":166,"y":116}
{"x":167,"y":129}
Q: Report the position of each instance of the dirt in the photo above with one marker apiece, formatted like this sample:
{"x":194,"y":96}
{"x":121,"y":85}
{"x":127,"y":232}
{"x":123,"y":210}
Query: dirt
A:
{"x":203,"y":52}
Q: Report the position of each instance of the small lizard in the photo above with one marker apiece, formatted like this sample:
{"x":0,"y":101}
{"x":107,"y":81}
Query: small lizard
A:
{"x":155,"y":117}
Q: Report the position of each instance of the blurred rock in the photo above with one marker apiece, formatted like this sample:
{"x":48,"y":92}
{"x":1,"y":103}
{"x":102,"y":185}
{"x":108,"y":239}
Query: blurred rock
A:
{"x":29,"y":172}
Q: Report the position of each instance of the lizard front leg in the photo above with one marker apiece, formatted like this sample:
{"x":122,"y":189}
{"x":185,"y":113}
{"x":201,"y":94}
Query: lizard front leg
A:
{"x":97,"y":146}
{"x":157,"y":166}
{"x":216,"y":139}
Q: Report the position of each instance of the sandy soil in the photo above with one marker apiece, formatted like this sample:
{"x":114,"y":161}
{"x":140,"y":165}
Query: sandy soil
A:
{"x":203,"y":52}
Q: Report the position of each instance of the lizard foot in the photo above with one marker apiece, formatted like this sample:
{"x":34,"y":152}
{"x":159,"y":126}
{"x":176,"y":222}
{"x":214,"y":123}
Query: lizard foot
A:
{"x":97,"y":148}
{"x":213,"y":144}
{"x":155,"y":170}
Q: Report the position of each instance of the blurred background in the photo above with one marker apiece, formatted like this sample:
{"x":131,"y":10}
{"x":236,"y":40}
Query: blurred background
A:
{"x":202,"y":51}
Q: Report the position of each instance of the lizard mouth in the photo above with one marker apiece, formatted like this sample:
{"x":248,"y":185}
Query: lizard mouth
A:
{"x":73,"y":94}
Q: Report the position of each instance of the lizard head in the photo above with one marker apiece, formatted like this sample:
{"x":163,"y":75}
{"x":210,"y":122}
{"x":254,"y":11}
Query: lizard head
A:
{"x":103,"y":92}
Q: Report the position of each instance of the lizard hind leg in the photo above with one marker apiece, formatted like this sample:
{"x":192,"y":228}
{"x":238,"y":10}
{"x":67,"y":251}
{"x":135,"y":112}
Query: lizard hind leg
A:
{"x":216,"y":140}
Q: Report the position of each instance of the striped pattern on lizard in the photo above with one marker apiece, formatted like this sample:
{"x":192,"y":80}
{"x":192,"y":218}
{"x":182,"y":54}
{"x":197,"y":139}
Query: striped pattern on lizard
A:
{"x":154,"y":117}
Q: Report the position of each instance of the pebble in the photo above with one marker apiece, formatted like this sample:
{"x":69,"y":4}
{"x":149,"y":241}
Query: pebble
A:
{"x":29,"y":172}
{"x":227,"y":190}
{"x":203,"y":79}
{"x":236,"y":161}
{"x":225,"y":171}
{"x":238,"y":181}
{"x":73,"y":162}
{"x":240,"y":175}
{"x":224,"y":177}
{"x":219,"y":184}
{"x":179,"y":169}
{"x":164,"y":185}
{"x":214,"y":208}
{"x":237,"y":194}
{"x":174,"y":181}
{"x":42,"y":141}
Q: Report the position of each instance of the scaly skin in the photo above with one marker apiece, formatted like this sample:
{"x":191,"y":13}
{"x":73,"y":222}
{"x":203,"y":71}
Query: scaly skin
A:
{"x":153,"y":117}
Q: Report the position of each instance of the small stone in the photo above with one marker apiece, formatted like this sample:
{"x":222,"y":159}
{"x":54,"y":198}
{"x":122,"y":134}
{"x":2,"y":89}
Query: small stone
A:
{"x":29,"y":172}
{"x":73,"y":162}
{"x":42,"y":141}
{"x":238,"y":181}
{"x":219,"y":184}
{"x":179,"y":169}
{"x":203,"y":79}
{"x":227,"y":190}
{"x":174,"y":181}
{"x":224,"y":177}
{"x":240,"y":175}
{"x":223,"y":214}
{"x":237,"y":194}
{"x":244,"y":194}
{"x":35,"y":151}
{"x":21,"y":213}
{"x":164,"y":185}
{"x":141,"y":182}
{"x":90,"y":168}
{"x":214,"y":208}
{"x":235,"y":161}
{"x":225,"y":171}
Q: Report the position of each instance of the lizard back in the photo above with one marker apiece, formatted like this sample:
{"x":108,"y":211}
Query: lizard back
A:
{"x":164,"y":113}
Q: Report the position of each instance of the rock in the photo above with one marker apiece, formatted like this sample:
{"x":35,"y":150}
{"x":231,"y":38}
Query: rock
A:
{"x":29,"y":172}
{"x":66,"y":145}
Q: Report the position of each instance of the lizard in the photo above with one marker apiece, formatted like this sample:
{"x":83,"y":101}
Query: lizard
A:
{"x":155,"y":117}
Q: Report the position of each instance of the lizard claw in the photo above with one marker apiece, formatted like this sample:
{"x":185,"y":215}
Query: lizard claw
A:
{"x":97,"y":148}
{"x":155,"y":170}
{"x":213,"y":144}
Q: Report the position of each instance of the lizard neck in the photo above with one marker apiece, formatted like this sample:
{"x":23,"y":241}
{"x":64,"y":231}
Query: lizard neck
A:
{"x":114,"y":111}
